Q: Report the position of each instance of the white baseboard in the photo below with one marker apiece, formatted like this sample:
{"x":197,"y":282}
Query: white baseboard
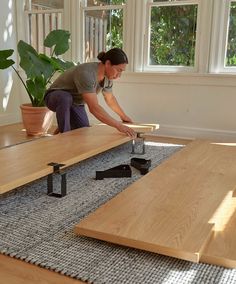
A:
{"x":10,"y":118}
{"x":194,"y":133}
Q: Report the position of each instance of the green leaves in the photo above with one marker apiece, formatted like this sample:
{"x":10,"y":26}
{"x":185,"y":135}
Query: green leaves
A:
{"x":33,"y":63}
{"x":36,"y":89}
{"x":39,"y":68}
{"x":58,"y":63}
{"x":4,"y":61}
{"x":59,"y":39}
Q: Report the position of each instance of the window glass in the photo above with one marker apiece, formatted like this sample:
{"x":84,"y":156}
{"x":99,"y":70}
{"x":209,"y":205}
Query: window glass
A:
{"x":103,"y":30}
{"x":168,"y":0}
{"x":91,"y":3}
{"x":53,"y":4}
{"x":43,"y":16}
{"x":230,"y":59}
{"x":173,"y":35}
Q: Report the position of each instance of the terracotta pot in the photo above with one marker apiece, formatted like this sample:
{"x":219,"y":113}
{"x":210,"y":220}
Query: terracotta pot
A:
{"x":36,"y":120}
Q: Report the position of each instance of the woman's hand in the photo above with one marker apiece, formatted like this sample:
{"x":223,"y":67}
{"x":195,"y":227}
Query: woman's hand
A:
{"x":127,"y":130}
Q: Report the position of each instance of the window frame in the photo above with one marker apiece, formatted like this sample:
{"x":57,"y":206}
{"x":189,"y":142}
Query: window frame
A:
{"x":220,"y":28}
{"x":211,"y":38}
{"x":166,"y":68}
{"x":83,"y":9}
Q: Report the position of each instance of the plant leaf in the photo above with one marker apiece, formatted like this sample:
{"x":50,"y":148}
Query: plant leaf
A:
{"x":58,"y":38}
{"x":60,"y":64}
{"x":37,"y":88}
{"x":33,"y":63}
{"x":4,"y":61}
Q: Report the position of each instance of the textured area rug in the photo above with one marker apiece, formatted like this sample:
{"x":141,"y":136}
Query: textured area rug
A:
{"x":39,"y":229}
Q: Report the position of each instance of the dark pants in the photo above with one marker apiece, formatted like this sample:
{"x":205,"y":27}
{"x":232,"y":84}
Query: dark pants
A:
{"x":69,"y":116}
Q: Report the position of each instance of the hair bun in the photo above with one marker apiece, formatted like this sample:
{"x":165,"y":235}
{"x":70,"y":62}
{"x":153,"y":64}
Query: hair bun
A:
{"x":101,"y":55}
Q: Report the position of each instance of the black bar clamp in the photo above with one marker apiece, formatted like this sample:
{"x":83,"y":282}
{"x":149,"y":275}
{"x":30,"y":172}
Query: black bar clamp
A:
{"x":56,"y":170}
{"x":141,"y":138}
{"x":142,"y":165}
{"x":116,"y":172}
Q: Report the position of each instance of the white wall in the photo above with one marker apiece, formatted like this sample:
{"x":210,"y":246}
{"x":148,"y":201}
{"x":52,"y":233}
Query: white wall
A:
{"x":201,"y":106}
{"x":9,"y":85}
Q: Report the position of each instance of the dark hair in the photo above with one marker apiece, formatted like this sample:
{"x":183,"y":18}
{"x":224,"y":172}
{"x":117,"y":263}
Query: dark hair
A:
{"x":115,"y":55}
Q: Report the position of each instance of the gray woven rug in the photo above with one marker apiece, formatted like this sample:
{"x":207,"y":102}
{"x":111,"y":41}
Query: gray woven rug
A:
{"x":39,"y":229}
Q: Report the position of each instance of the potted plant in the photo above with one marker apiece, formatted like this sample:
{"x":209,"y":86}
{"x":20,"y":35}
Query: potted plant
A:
{"x":39,"y":70}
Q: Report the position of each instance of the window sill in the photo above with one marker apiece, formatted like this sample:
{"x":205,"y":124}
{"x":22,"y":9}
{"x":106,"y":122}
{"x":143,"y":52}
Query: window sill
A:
{"x":170,"y":78}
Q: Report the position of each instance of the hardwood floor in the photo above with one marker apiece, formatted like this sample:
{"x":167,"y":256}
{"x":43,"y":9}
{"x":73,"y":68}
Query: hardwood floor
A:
{"x":15,"y":133}
{"x":13,"y":271}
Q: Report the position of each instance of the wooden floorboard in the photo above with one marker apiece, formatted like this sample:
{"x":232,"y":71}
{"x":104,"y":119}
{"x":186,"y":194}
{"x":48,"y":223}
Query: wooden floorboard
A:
{"x":13,"y":271}
{"x":14,"y":134}
{"x":171,"y":210}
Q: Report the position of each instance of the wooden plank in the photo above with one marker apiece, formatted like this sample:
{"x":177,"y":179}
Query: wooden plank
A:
{"x":221,"y":249}
{"x":170,"y":210}
{"x":143,"y":127}
{"x":26,"y":162}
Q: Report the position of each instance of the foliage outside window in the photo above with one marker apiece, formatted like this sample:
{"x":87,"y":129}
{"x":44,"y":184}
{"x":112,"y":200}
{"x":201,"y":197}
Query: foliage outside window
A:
{"x":103,"y":22}
{"x":173,"y":35}
{"x":231,"y":44}
{"x":169,"y":35}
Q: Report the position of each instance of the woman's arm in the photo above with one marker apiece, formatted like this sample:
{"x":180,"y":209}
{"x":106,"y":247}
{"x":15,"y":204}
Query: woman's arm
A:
{"x":111,"y":101}
{"x":91,"y":100}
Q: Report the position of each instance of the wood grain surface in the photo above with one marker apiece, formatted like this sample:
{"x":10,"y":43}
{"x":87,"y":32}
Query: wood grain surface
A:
{"x":171,"y":209}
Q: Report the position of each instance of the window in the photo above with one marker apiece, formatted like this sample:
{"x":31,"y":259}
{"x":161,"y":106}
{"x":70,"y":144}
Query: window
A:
{"x":230,"y":59}
{"x":103,"y":26}
{"x":158,"y":35}
{"x":42,"y":17}
{"x":223,"y":41}
{"x":171,"y":32}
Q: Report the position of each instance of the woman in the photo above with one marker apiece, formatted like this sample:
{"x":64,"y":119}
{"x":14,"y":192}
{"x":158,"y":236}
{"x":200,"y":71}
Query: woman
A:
{"x":80,"y":85}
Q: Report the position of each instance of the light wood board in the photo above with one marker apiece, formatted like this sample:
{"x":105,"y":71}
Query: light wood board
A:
{"x":172,"y":209}
{"x":143,"y":127}
{"x":221,"y":249}
{"x":26,"y":162}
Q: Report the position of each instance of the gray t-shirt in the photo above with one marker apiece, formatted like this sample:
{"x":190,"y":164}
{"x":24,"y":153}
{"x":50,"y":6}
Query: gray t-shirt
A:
{"x":81,"y":79}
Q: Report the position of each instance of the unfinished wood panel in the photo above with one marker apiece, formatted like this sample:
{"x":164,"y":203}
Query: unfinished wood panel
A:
{"x":143,"y":127}
{"x":27,"y":162}
{"x":171,"y":209}
{"x":221,"y":250}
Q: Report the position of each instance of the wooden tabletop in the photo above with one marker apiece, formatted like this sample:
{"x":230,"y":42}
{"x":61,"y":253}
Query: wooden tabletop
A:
{"x":26,"y":162}
{"x":174,"y":209}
